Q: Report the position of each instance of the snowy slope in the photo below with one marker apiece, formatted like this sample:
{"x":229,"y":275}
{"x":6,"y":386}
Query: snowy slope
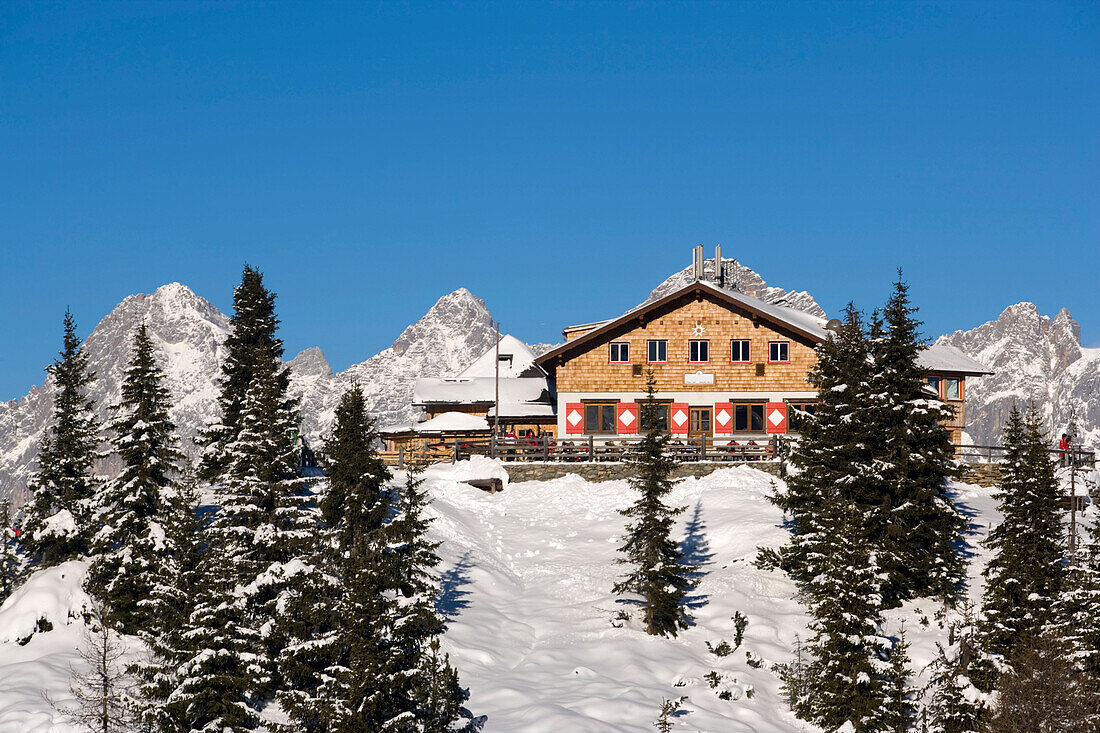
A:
{"x":1036,"y":359}
{"x":526,"y":578}
{"x":527,"y":575}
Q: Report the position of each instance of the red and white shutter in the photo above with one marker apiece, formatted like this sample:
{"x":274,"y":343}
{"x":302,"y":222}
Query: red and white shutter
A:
{"x":775,"y":417}
{"x":574,"y":418}
{"x":626,"y":418}
{"x":678,"y":418}
{"x":723,"y":418}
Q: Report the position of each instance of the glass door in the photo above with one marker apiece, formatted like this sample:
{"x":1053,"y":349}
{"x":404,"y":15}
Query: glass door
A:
{"x":699,"y":422}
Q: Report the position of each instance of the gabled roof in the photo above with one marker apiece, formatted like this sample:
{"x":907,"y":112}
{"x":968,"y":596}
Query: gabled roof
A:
{"x":801,"y":323}
{"x":946,"y":358}
{"x":516,"y":359}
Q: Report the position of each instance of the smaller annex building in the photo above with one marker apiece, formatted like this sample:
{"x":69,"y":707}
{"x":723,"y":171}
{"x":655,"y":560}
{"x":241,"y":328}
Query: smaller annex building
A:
{"x":464,"y":406}
{"x":726,"y":365}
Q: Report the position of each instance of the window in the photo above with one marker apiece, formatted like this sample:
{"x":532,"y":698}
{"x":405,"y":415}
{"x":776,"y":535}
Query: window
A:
{"x":699,"y":352}
{"x":951,"y":388}
{"x":659,"y":411}
{"x":779,"y":351}
{"x":934,"y":383}
{"x":797,"y":413}
{"x":658,"y":352}
{"x":599,"y":417}
{"x":748,"y":418}
{"x":739,"y":351}
{"x":699,"y":423}
{"x":620,"y":353}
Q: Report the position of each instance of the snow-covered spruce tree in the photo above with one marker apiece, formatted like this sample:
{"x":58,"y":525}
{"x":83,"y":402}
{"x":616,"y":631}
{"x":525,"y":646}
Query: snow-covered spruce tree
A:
{"x":834,"y":454}
{"x":210,"y":688}
{"x":129,"y":545}
{"x":370,"y":660}
{"x":955,"y":705}
{"x":1023,"y":577}
{"x":56,"y":523}
{"x":315,"y":664}
{"x":431,"y":694}
{"x":847,"y":677}
{"x":265,"y":527}
{"x":899,"y":712}
{"x":921,"y":556}
{"x":657,"y":573}
{"x":1076,"y":614}
{"x":10,"y":562}
{"x":172,"y":600}
{"x":251,"y":340}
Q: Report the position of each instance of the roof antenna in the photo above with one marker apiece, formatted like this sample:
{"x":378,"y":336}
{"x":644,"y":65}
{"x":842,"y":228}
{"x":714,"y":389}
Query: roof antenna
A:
{"x":697,"y":262}
{"x":719,"y":273}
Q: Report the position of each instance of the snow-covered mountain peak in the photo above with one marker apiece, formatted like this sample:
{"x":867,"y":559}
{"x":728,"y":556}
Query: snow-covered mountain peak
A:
{"x":741,"y":278}
{"x":310,"y":362}
{"x":461,"y":306}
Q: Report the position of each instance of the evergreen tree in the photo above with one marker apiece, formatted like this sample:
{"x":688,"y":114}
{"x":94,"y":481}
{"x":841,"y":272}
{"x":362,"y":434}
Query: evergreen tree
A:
{"x":431,"y":694}
{"x":900,"y":710}
{"x":10,"y":564}
{"x":259,"y":541}
{"x":846,"y":679}
{"x":130,"y":543}
{"x":251,"y":341}
{"x":367,"y":658}
{"x":56,"y":524}
{"x":1023,"y":577}
{"x":1075,"y":623}
{"x":171,"y":602}
{"x":956,"y":705}
{"x":834,"y":455}
{"x":924,"y":529}
{"x":657,"y":573}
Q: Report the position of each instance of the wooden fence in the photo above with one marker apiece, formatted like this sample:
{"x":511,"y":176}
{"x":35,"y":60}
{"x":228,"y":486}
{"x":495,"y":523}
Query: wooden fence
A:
{"x":565,"y":450}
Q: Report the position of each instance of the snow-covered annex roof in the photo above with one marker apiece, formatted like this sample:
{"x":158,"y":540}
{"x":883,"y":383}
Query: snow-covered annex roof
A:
{"x":946,"y":358}
{"x":523,"y":387}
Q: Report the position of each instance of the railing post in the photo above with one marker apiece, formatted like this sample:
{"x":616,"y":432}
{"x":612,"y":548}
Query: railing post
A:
{"x":457,"y":457}
{"x":591,"y":449}
{"x":546,"y":448}
{"x":400,"y":456}
{"x":493,"y":445}
{"x":702,"y":447}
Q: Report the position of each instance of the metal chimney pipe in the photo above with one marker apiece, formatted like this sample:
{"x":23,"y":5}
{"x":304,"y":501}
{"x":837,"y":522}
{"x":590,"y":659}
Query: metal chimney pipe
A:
{"x":719,"y":276}
{"x":697,"y":262}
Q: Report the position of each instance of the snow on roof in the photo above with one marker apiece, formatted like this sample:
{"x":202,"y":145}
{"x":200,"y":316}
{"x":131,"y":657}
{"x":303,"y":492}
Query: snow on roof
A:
{"x":946,"y":358}
{"x":453,"y":422}
{"x":800,"y":321}
{"x":515,"y":358}
{"x":523,"y":409}
{"x":478,"y":389}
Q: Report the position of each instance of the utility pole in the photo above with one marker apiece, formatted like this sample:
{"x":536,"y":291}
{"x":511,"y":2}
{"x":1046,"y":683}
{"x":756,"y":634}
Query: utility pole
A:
{"x":496,"y":399}
{"x":1072,"y":433}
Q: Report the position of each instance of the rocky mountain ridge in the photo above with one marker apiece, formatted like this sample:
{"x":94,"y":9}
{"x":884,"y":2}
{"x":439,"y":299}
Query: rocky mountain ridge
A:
{"x":1035,"y":358}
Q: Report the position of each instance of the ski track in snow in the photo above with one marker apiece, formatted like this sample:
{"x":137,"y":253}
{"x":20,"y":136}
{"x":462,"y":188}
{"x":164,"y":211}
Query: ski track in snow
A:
{"x":527,"y":576}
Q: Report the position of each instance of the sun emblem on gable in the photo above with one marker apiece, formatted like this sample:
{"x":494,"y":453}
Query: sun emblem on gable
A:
{"x":699,"y":330}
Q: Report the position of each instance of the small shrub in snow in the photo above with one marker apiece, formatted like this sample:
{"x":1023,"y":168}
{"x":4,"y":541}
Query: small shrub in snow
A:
{"x":669,"y":710}
{"x":721,"y":649}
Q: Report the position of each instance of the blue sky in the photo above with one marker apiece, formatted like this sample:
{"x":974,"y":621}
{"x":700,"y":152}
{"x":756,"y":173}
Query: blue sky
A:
{"x":558,"y":160}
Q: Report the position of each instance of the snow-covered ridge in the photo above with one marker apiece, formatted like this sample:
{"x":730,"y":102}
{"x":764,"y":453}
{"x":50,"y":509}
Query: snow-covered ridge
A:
{"x":1036,"y":360}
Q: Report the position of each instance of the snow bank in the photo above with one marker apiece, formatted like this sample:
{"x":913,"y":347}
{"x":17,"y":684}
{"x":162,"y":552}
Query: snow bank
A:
{"x":476,"y":467}
{"x":55,"y":594}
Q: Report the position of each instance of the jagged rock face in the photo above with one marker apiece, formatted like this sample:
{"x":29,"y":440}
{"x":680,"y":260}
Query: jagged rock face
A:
{"x":450,"y":336}
{"x":1035,"y":359}
{"x":740,"y":278}
{"x":188,"y":332}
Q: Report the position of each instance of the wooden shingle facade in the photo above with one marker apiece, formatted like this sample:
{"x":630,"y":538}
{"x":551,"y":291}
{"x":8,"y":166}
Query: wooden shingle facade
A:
{"x":726,"y":366}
